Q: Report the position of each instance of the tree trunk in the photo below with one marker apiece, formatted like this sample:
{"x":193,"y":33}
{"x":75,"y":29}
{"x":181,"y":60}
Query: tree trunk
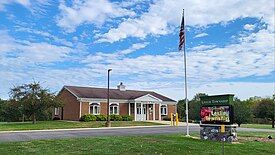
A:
{"x":273,"y":122}
{"x":23,"y":118}
{"x":33,"y":119}
{"x":239,"y":125}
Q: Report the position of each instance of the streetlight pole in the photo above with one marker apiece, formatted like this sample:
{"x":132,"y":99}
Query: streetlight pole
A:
{"x":108,"y":123}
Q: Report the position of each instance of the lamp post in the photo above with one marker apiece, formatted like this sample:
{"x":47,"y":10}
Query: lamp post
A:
{"x":108,"y":123}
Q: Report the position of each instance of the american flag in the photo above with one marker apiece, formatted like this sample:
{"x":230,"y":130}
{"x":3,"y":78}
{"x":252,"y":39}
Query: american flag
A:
{"x":182,"y":33}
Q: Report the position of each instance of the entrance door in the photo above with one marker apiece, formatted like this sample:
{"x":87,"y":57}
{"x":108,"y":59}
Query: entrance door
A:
{"x":141,"y":116}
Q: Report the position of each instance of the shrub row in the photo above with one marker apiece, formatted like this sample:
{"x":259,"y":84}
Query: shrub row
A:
{"x":90,"y":117}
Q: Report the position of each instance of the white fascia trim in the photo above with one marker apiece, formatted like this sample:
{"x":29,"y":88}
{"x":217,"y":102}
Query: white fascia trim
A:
{"x":159,"y":100}
{"x":71,"y":92}
{"x":102,"y":100}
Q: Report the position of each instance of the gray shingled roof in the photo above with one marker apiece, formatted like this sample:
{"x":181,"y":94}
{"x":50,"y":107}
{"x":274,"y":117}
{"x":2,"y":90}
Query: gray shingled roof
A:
{"x":91,"y":92}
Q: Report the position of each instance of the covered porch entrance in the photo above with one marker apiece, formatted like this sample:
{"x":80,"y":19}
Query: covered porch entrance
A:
{"x":144,"y":108}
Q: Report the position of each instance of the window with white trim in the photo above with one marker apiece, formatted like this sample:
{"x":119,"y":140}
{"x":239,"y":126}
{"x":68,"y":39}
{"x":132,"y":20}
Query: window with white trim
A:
{"x":114,"y":109}
{"x":163,"y":109}
{"x":56,"y":111}
{"x":94,"y":108}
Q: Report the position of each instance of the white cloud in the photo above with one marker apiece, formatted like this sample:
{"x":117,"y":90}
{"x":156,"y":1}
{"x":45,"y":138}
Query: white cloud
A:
{"x":22,"y":52}
{"x":249,"y":27}
{"x":164,"y":15}
{"x":103,"y":57}
{"x":201,"y":35}
{"x":25,"y":3}
{"x":35,"y":6}
{"x":89,"y":11}
{"x":242,"y":90}
{"x":252,"y":56}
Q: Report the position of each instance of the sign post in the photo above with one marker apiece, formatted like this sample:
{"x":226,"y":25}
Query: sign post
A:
{"x":223,"y":138}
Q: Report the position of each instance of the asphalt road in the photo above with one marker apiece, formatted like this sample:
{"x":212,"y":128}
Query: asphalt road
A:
{"x":73,"y":133}
{"x":33,"y":135}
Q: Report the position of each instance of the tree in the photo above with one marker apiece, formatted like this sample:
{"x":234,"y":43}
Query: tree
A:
{"x":181,"y":109}
{"x":2,"y":110}
{"x":34,"y":99}
{"x":265,"y":108}
{"x":242,"y":111}
{"x":195,"y":106}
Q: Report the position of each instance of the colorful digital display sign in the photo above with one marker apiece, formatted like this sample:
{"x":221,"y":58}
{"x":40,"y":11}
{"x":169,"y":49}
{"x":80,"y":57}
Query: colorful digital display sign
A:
{"x":216,"y":114}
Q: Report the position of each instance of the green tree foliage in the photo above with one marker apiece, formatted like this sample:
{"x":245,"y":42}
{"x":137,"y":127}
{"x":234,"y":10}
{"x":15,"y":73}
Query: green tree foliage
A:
{"x":181,"y":109}
{"x":193,"y":107}
{"x":34,"y":100}
{"x":242,"y":111}
{"x":3,"y":105}
{"x":265,"y":108}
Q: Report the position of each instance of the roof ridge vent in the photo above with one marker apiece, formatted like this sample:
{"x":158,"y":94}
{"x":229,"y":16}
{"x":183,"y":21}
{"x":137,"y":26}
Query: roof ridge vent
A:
{"x":121,"y":87}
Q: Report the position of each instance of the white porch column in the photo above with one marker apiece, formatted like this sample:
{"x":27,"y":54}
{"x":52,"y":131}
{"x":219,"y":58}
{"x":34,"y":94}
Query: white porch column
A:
{"x":135,"y":111}
{"x":159,"y":112}
{"x":129,"y":109}
{"x":154,"y":112}
{"x":141,"y":104}
{"x":80,"y":108}
{"x":147,"y":111}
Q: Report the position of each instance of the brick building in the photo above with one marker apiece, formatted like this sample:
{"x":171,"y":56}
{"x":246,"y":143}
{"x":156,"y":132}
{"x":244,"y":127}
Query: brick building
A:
{"x":142,"y":105}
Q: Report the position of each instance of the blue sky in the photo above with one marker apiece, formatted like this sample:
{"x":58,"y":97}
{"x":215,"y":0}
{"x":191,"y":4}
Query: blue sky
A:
{"x":229,"y":44}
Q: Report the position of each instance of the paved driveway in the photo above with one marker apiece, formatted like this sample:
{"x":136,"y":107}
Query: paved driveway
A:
{"x":53,"y":134}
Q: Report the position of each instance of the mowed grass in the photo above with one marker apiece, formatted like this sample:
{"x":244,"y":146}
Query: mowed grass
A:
{"x":41,"y":125}
{"x":258,"y":126}
{"x":153,"y":144}
{"x":256,"y":134}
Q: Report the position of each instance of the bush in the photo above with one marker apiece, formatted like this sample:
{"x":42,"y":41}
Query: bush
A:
{"x":115,"y":118}
{"x":127,"y":118}
{"x":166,"y":118}
{"x":88,"y":118}
{"x":101,"y":118}
{"x":56,"y":118}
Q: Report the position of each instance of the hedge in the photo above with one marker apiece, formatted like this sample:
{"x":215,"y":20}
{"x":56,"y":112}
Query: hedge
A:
{"x":101,"y":117}
{"x":90,"y":117}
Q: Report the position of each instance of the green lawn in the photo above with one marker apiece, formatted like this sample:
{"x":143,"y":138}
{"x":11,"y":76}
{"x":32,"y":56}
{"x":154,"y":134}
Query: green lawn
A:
{"x":66,"y":125}
{"x":153,"y":144}
{"x":255,"y":134}
{"x":258,"y":126}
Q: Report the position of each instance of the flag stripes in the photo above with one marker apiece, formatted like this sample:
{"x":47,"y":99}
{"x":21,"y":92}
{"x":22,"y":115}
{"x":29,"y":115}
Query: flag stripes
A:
{"x":182,"y":34}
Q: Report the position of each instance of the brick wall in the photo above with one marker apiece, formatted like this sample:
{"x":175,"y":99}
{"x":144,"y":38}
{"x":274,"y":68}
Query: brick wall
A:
{"x":171,"y":109}
{"x":103,"y":108}
{"x":85,"y":108}
{"x":123,"y":108}
{"x":71,"y":105}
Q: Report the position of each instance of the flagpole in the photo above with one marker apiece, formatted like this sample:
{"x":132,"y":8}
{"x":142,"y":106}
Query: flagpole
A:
{"x":185,"y":80}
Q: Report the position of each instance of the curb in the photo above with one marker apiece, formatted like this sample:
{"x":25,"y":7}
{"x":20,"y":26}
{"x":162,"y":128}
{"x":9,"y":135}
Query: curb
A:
{"x":80,"y":129}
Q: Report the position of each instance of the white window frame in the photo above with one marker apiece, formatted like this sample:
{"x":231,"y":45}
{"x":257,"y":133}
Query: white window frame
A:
{"x":56,"y":111}
{"x":115,"y":105}
{"x":162,"y":107}
{"x":93,"y":107}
